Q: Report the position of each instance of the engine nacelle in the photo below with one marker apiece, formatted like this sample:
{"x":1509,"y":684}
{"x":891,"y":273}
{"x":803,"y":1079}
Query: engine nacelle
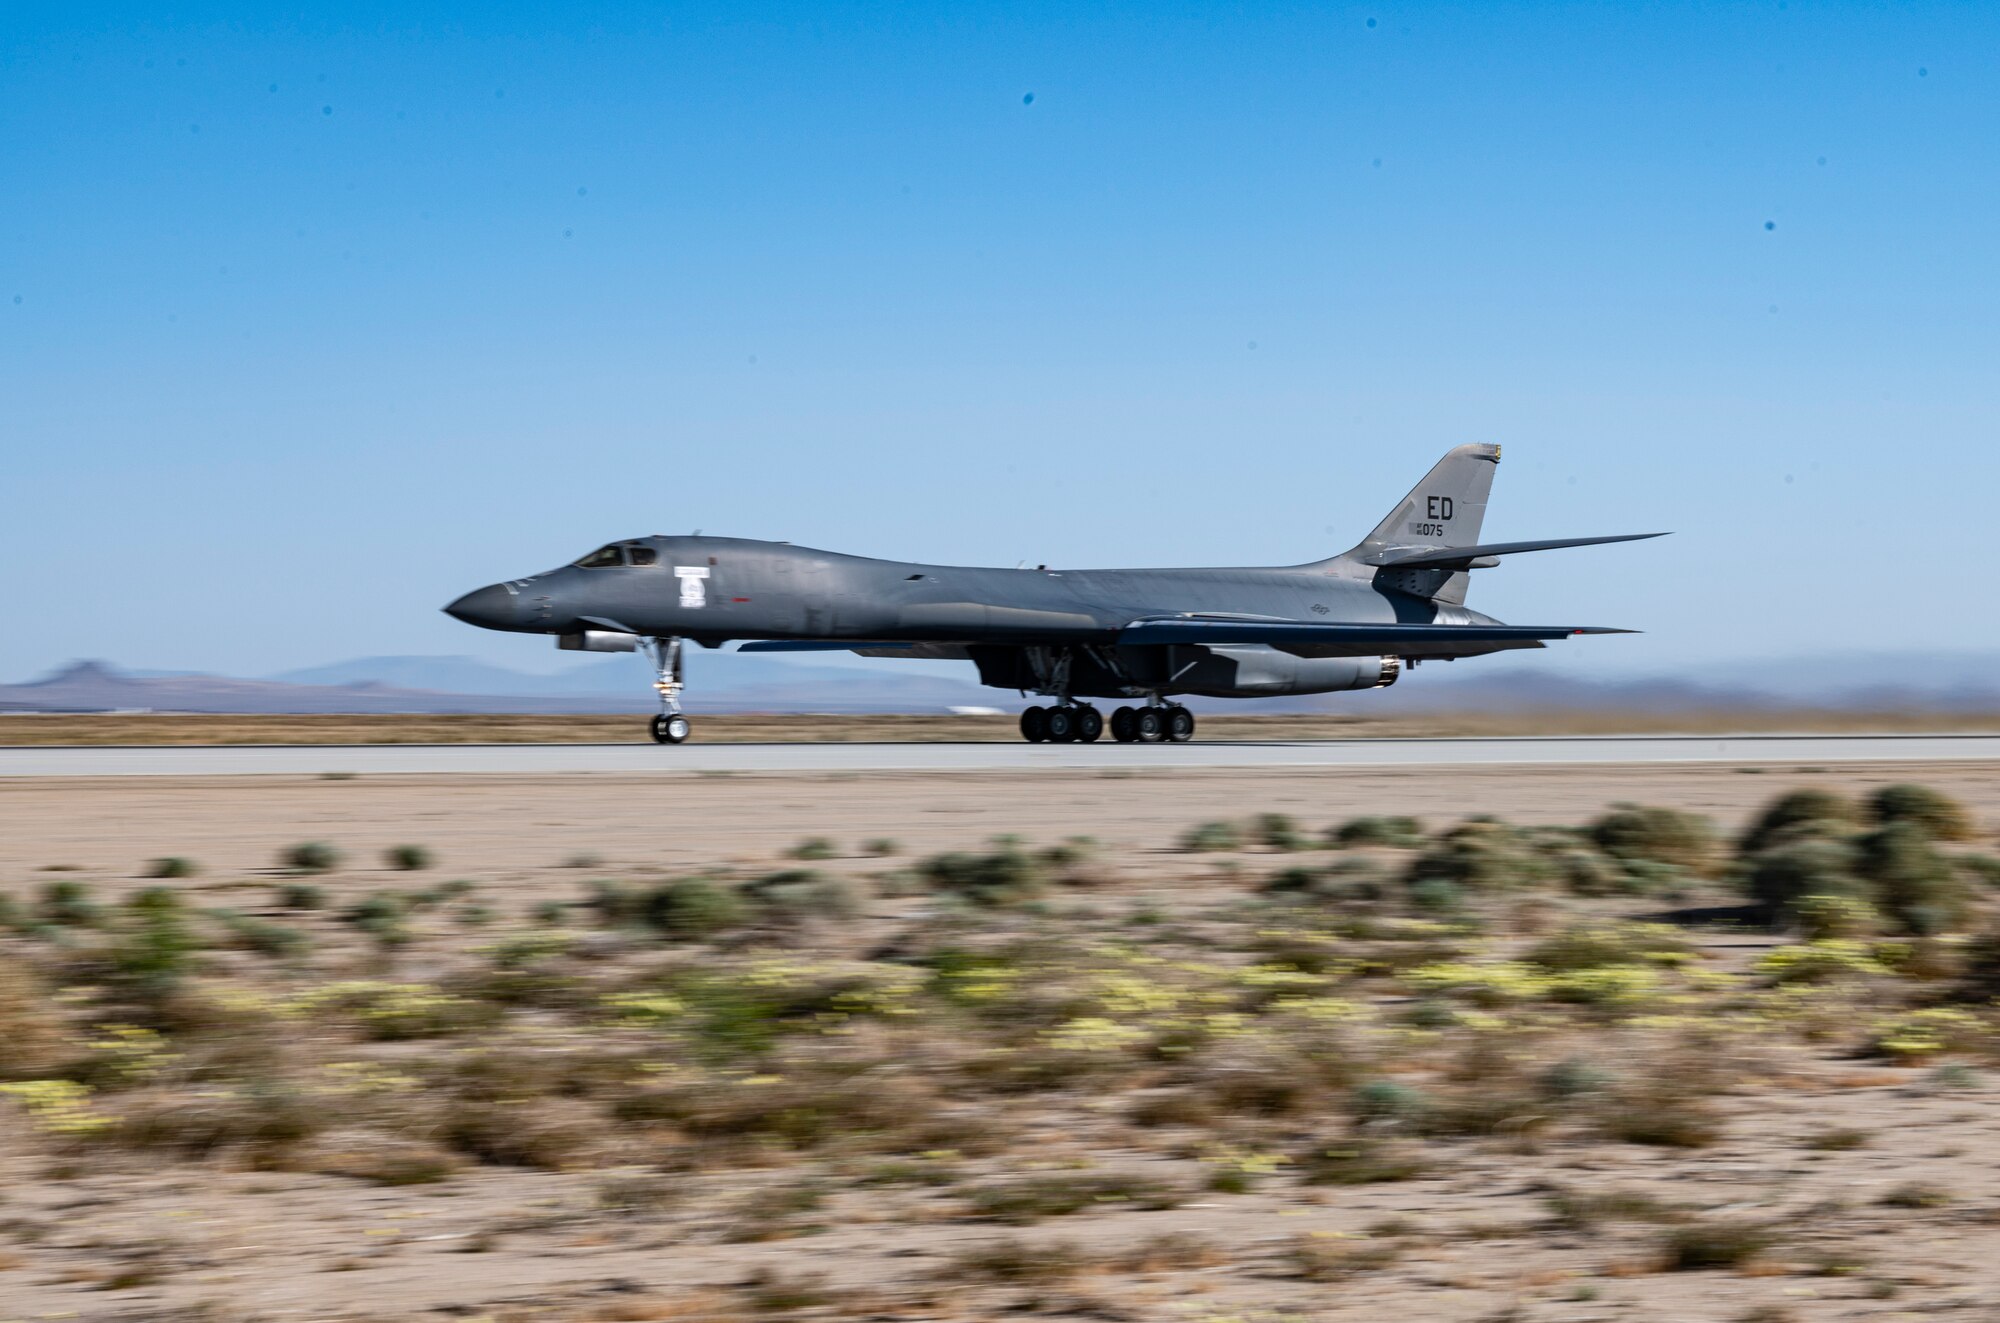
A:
{"x":598,"y":640}
{"x":1256,"y":671}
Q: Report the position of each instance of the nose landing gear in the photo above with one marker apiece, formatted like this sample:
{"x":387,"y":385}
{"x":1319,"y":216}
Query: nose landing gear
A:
{"x":669,"y":727}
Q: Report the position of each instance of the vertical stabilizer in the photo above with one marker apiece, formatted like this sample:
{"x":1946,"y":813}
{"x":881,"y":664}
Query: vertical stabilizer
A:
{"x":1444,"y":510}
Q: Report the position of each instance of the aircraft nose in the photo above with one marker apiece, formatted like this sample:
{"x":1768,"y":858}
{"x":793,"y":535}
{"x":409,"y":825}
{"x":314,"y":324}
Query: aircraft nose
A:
{"x":491,"y":607}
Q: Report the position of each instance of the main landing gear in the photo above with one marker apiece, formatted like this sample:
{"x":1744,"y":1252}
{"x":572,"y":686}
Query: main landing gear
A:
{"x":669,"y":727}
{"x":1080,"y":723}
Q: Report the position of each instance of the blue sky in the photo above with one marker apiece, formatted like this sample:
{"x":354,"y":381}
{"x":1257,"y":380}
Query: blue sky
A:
{"x":309,"y":323}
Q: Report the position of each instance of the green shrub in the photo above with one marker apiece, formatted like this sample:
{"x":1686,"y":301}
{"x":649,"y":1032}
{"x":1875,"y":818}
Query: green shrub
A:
{"x":1389,"y":1100}
{"x":1396,"y":832}
{"x":382,"y":915}
{"x":813,"y":848}
{"x":172,"y":866}
{"x":302,"y":896}
{"x":1981,"y":869}
{"x":1211,"y":836}
{"x":1477,"y":856}
{"x":408,"y":858}
{"x":1818,"y":809}
{"x":1715,"y":1243}
{"x":692,"y":909}
{"x":802,"y":893}
{"x":156,"y":946}
{"x":1277,"y":831}
{"x":1661,"y":835}
{"x":1436,"y":895}
{"x":616,"y":905}
{"x":1571,"y":1078}
{"x":310,"y":857}
{"x":1590,"y":873}
{"x":1937,"y":813}
{"x":275,"y":940}
{"x":67,"y":904}
{"x":1593,"y":946}
{"x":881,"y":847}
{"x":1007,"y":876}
{"x":1023,"y":1201}
{"x":1914,"y":884}
{"x":1781,"y":877}
{"x":1829,"y":918}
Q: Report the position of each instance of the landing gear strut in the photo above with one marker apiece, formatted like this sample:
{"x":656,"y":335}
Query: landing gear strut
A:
{"x":669,"y":727}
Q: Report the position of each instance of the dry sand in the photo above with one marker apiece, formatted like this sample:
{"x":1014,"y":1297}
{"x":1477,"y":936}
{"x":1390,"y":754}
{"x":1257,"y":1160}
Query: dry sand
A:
{"x":280,"y":1245}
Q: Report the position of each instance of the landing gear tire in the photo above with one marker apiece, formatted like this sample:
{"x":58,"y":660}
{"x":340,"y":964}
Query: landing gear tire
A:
{"x":1180,"y":724}
{"x":1149,"y":725}
{"x":670,"y":728}
{"x":1122,"y":729}
{"x":1062,"y":725}
{"x":1035,"y":725}
{"x":1089,"y":724}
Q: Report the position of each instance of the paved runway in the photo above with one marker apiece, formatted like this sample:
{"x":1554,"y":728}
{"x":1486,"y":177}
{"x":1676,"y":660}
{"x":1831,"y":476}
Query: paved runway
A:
{"x":546,"y":759}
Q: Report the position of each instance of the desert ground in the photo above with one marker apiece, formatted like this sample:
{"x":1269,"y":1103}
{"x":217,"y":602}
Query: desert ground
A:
{"x":192,"y":728}
{"x":1179,"y":1045}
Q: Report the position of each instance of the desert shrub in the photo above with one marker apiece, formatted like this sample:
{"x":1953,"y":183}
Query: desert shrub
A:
{"x":1938,"y":814}
{"x":408,"y":858}
{"x":1838,"y":1139}
{"x":1436,"y":895}
{"x":302,"y":896}
{"x":1479,"y":855}
{"x":550,"y":1133}
{"x":1917,"y":1194}
{"x":1277,"y":831}
{"x":1016,"y":1262}
{"x":1354,"y":878}
{"x":1715,"y":1243}
{"x":156,"y":946}
{"x":692,"y":909}
{"x":31,"y":1026}
{"x":1661,"y":835}
{"x":640,"y":1192}
{"x":1006,"y":876}
{"x":383,"y":916}
{"x":881,"y":847}
{"x":1781,"y":877}
{"x":1020,"y":1202}
{"x":1590,"y":873}
{"x":1396,"y":832}
{"x":1662,"y":1113}
{"x":1821,"y":810}
{"x":264,"y":1116}
{"x":1383,"y":1100}
{"x":1359,"y":1160}
{"x":1315,"y":1259}
{"x":1914,"y":883}
{"x":172,"y":866}
{"x":1211,"y":836}
{"x":813,"y":848}
{"x":615,"y":904}
{"x":1595,"y":946}
{"x":261,"y":935}
{"x":1980,"y":869}
{"x":1830,"y":918}
{"x":1579,"y":1210}
{"x":310,"y":857}
{"x":1571,"y":1078}
{"x":802,"y":893}
{"x":67,"y":903}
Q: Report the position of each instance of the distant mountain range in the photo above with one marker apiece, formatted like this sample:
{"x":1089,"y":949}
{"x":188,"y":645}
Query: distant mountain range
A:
{"x":738,"y":682}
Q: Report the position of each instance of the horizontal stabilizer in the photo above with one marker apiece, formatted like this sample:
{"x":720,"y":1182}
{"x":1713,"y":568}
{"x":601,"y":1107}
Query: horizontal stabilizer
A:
{"x":1469,"y":557}
{"x":1353,"y":639}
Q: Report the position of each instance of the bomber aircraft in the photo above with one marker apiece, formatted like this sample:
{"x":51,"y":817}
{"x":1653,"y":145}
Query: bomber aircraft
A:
{"x":1352,"y":621}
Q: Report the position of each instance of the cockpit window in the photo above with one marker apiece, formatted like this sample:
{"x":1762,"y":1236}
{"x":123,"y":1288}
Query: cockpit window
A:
{"x":602,"y":558}
{"x":645,"y":556}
